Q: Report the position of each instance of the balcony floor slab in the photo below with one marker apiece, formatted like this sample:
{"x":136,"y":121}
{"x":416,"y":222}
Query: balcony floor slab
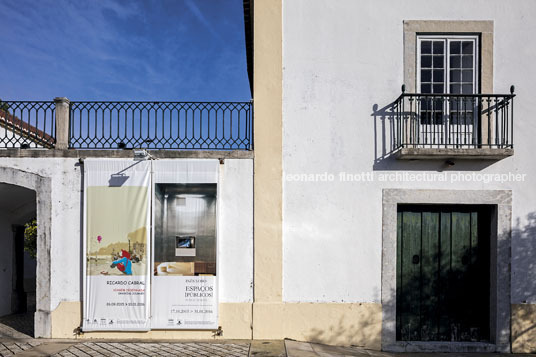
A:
{"x":453,"y":153}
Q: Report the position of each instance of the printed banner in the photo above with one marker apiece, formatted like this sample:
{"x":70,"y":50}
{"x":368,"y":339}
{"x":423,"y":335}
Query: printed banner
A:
{"x":117,"y":250}
{"x":184,"y":288}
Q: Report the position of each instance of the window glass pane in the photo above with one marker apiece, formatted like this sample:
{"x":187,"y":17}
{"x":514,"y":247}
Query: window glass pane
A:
{"x":426,"y":75}
{"x":467,"y":76}
{"x":426,"y":88}
{"x":453,"y":118}
{"x":425,"y":104}
{"x":467,"y":47}
{"x":438,"y":88}
{"x":425,"y":118}
{"x":455,"y":47}
{"x":467,"y":89}
{"x":455,"y":75}
{"x":461,"y":118}
{"x":467,"y":61}
{"x":455,"y":61}
{"x":426,"y":61}
{"x":438,"y":61}
{"x":426,"y":47}
{"x":468,"y":117}
{"x":438,"y":75}
{"x":438,"y":118}
{"x":455,"y":89}
{"x":438,"y":47}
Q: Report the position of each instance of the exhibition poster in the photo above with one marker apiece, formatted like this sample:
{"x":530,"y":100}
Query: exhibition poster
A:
{"x":117,"y":245}
{"x":184,"y":288}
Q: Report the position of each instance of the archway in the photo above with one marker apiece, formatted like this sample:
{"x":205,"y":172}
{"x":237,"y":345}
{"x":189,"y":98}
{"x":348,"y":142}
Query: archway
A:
{"x":17,"y":264}
{"x":26,"y":194}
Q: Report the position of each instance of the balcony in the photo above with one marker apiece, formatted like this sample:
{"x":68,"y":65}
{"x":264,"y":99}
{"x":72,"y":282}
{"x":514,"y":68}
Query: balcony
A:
{"x":448,"y":126}
{"x":123,"y":126}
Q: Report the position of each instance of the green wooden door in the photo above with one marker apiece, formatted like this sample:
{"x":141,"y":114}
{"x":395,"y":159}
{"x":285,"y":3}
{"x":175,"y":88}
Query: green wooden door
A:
{"x":442,"y":289}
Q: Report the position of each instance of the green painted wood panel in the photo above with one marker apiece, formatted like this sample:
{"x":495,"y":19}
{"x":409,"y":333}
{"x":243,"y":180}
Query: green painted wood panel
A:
{"x":429,"y":276}
{"x":460,"y":258}
{"x":411,"y":274}
{"x":443,"y":273}
{"x":473,"y":281}
{"x":399,"y":294}
{"x":444,"y":270}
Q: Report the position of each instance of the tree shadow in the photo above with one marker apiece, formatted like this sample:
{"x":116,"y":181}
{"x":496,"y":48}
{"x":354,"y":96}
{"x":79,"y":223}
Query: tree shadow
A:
{"x":499,"y":304}
{"x":524,"y":284}
{"x":363,"y":332}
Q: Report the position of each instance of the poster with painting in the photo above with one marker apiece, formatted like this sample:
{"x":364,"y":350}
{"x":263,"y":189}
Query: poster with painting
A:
{"x":117,"y":249}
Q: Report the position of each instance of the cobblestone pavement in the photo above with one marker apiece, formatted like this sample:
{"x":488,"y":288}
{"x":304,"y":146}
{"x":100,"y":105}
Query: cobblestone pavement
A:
{"x":155,"y":349}
{"x":12,"y":348}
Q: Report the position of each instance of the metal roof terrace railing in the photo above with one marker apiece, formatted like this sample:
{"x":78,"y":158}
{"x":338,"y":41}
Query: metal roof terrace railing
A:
{"x":27,"y":124}
{"x":63,"y":124}
{"x":161,"y":125}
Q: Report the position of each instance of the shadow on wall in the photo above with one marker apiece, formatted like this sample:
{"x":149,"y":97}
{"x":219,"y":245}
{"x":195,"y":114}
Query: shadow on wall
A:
{"x":524,"y":260}
{"x":385,"y":148}
{"x":473,"y":322}
{"x":524,"y":285}
{"x":364,"y":331}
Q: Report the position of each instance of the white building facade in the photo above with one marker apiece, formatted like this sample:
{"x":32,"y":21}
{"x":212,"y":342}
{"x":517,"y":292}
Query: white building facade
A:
{"x":344,"y":176}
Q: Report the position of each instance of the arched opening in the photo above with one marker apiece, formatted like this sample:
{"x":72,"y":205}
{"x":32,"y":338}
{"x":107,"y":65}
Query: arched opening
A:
{"x":17,"y":261}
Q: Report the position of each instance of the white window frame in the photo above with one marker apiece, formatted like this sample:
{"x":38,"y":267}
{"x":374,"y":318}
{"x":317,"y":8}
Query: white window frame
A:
{"x":446,"y":64}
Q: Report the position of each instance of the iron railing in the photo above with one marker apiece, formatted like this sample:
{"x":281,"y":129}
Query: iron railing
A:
{"x":27,"y":124}
{"x":161,"y":125}
{"x":454,"y":120}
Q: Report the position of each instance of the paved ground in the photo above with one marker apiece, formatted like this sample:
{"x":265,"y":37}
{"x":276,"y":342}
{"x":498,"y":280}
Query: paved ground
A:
{"x":17,"y":325}
{"x":65,"y":348}
{"x":13,"y":348}
{"x":304,"y":349}
{"x":19,"y":344}
{"x":156,"y":349}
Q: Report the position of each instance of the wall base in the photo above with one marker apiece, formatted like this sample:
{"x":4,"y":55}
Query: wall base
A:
{"x":340,"y":324}
{"x":235,"y":321}
{"x":523,"y":328}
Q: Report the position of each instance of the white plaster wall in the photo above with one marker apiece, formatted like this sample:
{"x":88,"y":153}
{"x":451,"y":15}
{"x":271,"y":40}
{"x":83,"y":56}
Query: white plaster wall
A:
{"x":235,"y":226}
{"x":235,"y":231}
{"x":65,"y":248}
{"x":340,"y":59}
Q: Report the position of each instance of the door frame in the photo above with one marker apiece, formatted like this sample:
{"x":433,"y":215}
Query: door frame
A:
{"x":499,"y":266}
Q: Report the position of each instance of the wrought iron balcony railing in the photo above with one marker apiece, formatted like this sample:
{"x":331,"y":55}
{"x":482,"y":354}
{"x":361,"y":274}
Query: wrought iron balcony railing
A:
{"x":461,"y":121}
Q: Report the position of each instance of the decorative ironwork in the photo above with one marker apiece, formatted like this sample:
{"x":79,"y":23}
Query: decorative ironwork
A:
{"x":454,"y":120}
{"x":27,"y":124}
{"x":161,"y":125}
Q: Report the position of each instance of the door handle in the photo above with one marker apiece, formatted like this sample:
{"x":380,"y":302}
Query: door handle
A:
{"x":416,"y":259}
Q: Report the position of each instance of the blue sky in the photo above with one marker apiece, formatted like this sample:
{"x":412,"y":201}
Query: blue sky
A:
{"x":165,"y":50}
